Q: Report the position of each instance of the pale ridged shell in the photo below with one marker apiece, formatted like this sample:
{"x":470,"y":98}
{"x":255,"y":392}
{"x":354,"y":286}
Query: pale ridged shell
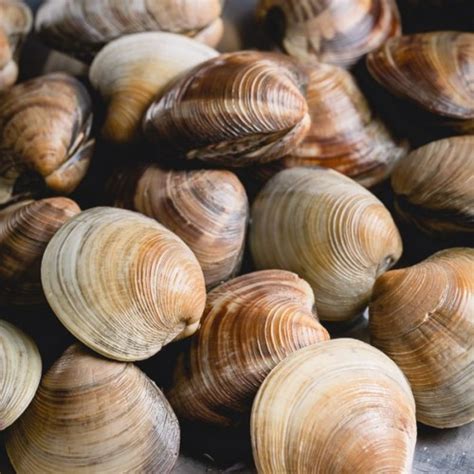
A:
{"x":15,"y":23}
{"x":250,"y":324}
{"x":332,"y":31}
{"x":92,"y":415}
{"x":344,"y":133}
{"x":132,"y":71}
{"x":208,"y":209}
{"x":123,"y":284}
{"x":423,"y":318}
{"x":329,"y":230}
{"x":434,"y":70}
{"x":44,"y":129}
{"x":434,"y":187}
{"x":82,"y":27}
{"x":20,"y":372}
{"x":334,"y":407}
{"x":25,"y":230}
{"x":235,"y":110}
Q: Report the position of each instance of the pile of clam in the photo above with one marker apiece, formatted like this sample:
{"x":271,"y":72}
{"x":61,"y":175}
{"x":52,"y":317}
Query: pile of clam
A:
{"x":250,"y":203}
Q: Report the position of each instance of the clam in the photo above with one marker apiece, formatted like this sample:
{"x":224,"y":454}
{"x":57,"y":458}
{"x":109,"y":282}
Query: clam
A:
{"x":344,"y":134}
{"x":422,"y":317}
{"x":15,"y":23}
{"x":133,"y":70}
{"x":434,"y":187}
{"x":44,"y":137}
{"x":334,"y":407}
{"x":338,"y":32}
{"x":432,"y":70}
{"x":208,"y":209}
{"x":83,"y":27}
{"x":249,"y":325}
{"x":25,"y":230}
{"x":121,"y":283}
{"x":20,"y":373}
{"x":235,"y":110}
{"x":95,"y":415}
{"x":329,"y":230}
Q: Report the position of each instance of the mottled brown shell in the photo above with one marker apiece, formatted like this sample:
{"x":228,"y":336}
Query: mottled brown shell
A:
{"x":208,"y":209}
{"x":250,"y":324}
{"x":423,"y":318}
{"x":82,"y":27}
{"x":44,"y":137}
{"x":25,"y":230}
{"x":235,"y":110}
{"x":93,"y":415}
{"x":434,"y":188}
{"x":330,"y":31}
{"x":434,"y":70}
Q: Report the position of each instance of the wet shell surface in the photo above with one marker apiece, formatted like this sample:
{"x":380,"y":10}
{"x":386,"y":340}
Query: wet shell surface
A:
{"x":235,"y":110}
{"x":434,"y":187}
{"x":15,"y":23}
{"x":338,"y":32}
{"x":208,"y":209}
{"x":344,"y":135}
{"x":25,"y":230}
{"x":82,"y":27}
{"x":250,"y":324}
{"x":122,"y":284}
{"x":97,"y":416}
{"x":329,"y":230}
{"x":20,"y":373}
{"x":44,"y":137}
{"x":422,"y":317}
{"x":434,"y":70}
{"x":333,"y":407}
{"x":132,"y":71}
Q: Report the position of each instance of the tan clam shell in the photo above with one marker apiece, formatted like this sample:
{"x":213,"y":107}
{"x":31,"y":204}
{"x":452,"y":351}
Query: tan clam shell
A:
{"x":250,"y":324}
{"x":44,"y":136}
{"x":235,"y":110}
{"x":208,"y":209}
{"x":15,"y":23}
{"x":338,"y":32}
{"x":423,"y":318}
{"x":25,"y":230}
{"x":132,"y":71}
{"x":329,"y":230}
{"x":82,"y":27}
{"x":434,"y":70}
{"x":434,"y":187}
{"x":334,"y":407}
{"x":97,"y":416}
{"x":20,"y":372}
{"x":344,"y":134}
{"x":123,"y":284}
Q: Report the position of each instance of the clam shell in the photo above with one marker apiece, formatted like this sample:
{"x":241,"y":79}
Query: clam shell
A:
{"x":338,"y":32}
{"x":132,"y":71}
{"x":234,"y":110}
{"x":434,"y":187}
{"x":208,"y":209}
{"x":422,"y":317}
{"x":25,"y":230}
{"x":82,"y":27}
{"x":329,"y":230}
{"x":20,"y":372}
{"x":334,"y":407}
{"x":44,"y":130}
{"x":97,"y":416}
{"x":123,"y":284}
{"x":434,"y":70}
{"x":249,"y":325}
